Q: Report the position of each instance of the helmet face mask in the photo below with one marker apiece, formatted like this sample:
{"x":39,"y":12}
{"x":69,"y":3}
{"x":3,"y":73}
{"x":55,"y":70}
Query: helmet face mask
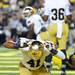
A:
{"x":36,"y":50}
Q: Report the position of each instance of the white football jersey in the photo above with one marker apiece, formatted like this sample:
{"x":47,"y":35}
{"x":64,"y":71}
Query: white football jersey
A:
{"x":56,"y":9}
{"x":37,"y":21}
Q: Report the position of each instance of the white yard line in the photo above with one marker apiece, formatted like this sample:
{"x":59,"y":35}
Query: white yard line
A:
{"x":12,"y":66}
{"x":9,"y":72}
{"x":54,"y":72}
{"x":68,"y":72}
{"x":16,"y":62}
{"x":9,"y":58}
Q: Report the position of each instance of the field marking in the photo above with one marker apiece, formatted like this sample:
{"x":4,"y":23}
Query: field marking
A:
{"x":10,"y":57}
{"x":12,"y":66}
{"x":9,"y":62}
{"x":9,"y":71}
{"x":68,"y":72}
{"x":10,"y":54}
{"x":53,"y":72}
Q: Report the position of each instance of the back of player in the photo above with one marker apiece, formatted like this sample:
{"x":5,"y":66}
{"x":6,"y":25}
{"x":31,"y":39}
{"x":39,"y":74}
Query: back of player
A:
{"x":56,"y":10}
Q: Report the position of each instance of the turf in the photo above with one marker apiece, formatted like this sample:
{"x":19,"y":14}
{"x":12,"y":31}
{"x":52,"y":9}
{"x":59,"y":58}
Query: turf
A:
{"x":9,"y":60}
{"x":9,"y":74}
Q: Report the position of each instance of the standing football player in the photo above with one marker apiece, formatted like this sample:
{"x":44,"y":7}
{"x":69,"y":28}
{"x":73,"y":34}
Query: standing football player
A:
{"x":33,"y":21}
{"x":60,"y":17}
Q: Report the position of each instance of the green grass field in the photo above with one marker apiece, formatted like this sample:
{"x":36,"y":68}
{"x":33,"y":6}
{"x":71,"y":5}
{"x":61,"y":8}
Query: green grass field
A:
{"x":9,"y":60}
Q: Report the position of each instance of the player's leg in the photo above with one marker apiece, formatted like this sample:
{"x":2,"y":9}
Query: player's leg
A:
{"x":43,"y":36}
{"x":52,"y":37}
{"x":62,"y":46}
{"x":52,"y":30}
{"x":24,"y":71}
{"x":49,"y":35}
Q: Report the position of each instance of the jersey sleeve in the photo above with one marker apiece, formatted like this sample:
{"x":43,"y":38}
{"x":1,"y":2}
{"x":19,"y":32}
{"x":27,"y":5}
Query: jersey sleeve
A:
{"x":46,"y":9}
{"x":67,"y":9}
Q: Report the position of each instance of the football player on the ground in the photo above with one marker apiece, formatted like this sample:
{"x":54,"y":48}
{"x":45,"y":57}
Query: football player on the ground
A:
{"x":34,"y":55}
{"x":60,"y":16}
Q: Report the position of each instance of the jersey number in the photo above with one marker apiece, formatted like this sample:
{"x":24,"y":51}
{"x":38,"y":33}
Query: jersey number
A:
{"x":32,"y":63}
{"x":58,"y":14}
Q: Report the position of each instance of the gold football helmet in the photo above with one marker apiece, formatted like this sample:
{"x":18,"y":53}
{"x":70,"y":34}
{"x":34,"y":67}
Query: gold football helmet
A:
{"x":36,"y":50}
{"x":72,"y":1}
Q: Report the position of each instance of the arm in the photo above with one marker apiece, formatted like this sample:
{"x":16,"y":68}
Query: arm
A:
{"x":68,"y":13}
{"x":52,"y":51}
{"x":30,"y":31}
{"x":11,"y":44}
{"x":20,"y":43}
{"x":68,"y":19}
{"x":50,"y":48}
